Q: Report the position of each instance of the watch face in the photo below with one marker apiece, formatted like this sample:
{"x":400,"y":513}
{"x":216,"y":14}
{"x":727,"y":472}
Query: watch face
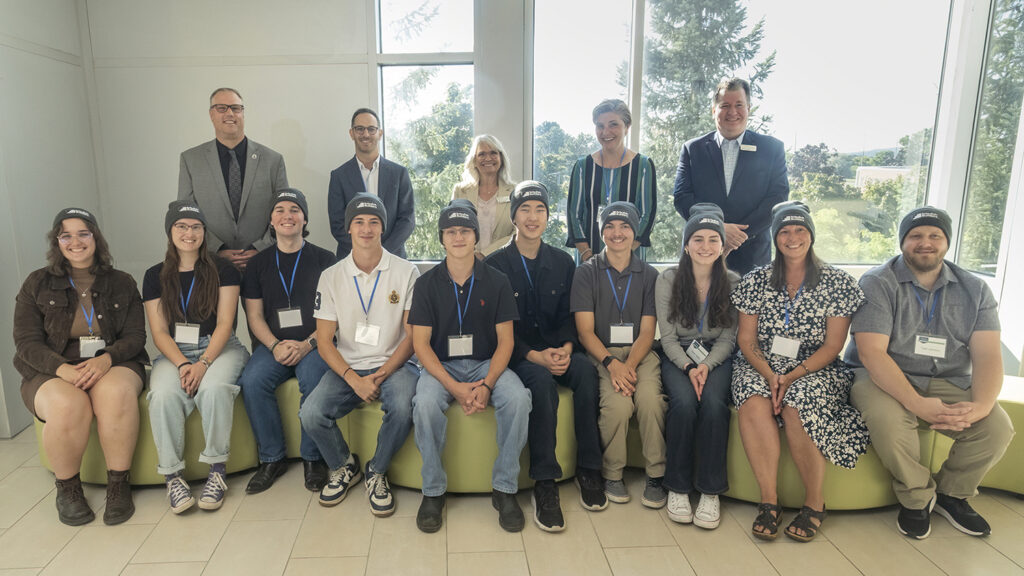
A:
{"x":312,"y":342}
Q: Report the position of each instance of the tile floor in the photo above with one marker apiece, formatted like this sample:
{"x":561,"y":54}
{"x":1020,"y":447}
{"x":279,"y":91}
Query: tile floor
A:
{"x":285,"y":531}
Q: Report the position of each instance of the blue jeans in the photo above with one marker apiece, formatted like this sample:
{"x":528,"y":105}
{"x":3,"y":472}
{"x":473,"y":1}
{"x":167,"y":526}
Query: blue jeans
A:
{"x":511,"y":401}
{"x":697,"y":431}
{"x":333,"y":398}
{"x":581,"y":378}
{"x":261,"y":377}
{"x":169,"y":405}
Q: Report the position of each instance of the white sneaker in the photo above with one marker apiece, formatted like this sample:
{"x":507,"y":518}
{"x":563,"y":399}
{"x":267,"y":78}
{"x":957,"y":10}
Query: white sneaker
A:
{"x":708,"y":514}
{"x":679,"y":509}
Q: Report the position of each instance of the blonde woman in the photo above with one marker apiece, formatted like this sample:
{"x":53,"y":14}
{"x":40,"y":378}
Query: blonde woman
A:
{"x":485,"y":183}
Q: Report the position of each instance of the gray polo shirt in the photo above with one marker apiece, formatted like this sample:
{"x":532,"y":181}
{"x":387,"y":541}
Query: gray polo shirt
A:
{"x":592,"y":292}
{"x":963,"y":304}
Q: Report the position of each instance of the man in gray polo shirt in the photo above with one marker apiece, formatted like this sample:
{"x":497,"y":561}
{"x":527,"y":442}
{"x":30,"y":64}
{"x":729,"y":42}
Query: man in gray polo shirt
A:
{"x":927,"y":353}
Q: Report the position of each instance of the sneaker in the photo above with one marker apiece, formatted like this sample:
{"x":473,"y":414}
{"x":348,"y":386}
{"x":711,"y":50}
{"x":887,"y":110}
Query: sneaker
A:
{"x":378,"y":491}
{"x":655,"y":494}
{"x":679,"y":509}
{"x":120,"y":506}
{"x":179,"y":494}
{"x":338,"y":482}
{"x":961,"y":515}
{"x":265,"y":476}
{"x":591,"y":487}
{"x":615,"y":490}
{"x":547,"y":511}
{"x":212,"y":497}
{"x":510,"y":515}
{"x":428,"y":518}
{"x":72,"y":508}
{"x":915,"y":523}
{"x":708,"y":514}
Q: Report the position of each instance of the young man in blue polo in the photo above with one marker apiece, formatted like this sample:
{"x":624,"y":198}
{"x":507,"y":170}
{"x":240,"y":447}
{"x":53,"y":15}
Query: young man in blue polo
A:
{"x":462,"y":329}
{"x":547,"y":355}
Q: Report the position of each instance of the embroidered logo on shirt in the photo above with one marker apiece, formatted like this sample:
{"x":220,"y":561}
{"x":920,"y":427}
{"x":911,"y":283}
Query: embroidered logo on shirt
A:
{"x":482,"y":304}
{"x":393,"y":297}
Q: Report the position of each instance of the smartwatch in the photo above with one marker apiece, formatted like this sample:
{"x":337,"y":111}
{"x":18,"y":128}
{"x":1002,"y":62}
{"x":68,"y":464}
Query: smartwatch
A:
{"x":607,"y":360}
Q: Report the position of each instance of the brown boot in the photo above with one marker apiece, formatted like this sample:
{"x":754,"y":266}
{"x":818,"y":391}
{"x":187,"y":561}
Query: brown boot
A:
{"x":119,"y":498}
{"x":72,"y":509}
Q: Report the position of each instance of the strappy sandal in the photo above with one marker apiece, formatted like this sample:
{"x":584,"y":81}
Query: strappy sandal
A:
{"x":803,"y":523}
{"x":768,"y":519}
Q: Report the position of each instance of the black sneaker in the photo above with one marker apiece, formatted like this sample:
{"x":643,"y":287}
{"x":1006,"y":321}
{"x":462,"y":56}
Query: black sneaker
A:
{"x":547,"y":511}
{"x":591,"y":487}
{"x":915,"y":523}
{"x":961,"y":515}
{"x":510,"y":515}
{"x":265,"y":476}
{"x":428,"y":518}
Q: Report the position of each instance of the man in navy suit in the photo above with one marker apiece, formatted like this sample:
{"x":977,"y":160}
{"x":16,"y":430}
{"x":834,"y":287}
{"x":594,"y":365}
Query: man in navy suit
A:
{"x":742,"y":171}
{"x":368,"y":172}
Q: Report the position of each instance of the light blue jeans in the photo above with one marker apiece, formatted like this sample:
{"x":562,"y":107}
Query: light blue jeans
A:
{"x":512,"y":405}
{"x":169,"y":405}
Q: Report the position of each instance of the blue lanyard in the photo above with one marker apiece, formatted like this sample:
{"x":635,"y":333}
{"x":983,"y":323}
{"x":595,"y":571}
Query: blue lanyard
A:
{"x":607,"y":176}
{"x":288,"y":287}
{"x":931,"y":313}
{"x":790,"y":302}
{"x":704,"y":313}
{"x":92,"y":309}
{"x":366,"y":306}
{"x":528,"y":279}
{"x":625,"y":296}
{"x":458,"y":305}
{"x":185,"y":301}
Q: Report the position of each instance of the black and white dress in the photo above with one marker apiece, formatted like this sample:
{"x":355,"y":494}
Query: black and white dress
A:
{"x":822,"y":398}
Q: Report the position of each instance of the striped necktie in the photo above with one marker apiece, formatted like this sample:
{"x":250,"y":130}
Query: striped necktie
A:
{"x":730,"y":152}
{"x":234,"y":184}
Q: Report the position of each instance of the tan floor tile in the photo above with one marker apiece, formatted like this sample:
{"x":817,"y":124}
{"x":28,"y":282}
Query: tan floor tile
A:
{"x":150,"y":504}
{"x":866,"y":542}
{"x":964,"y":554}
{"x":99,"y":550}
{"x":569,"y":495}
{"x":36,"y":538}
{"x":818,"y":557}
{"x":1007,"y":528}
{"x":725,"y":550}
{"x":577,"y":550}
{"x":342,"y":530}
{"x":19,"y":572}
{"x":15,"y":454}
{"x":407,"y":501}
{"x":27,"y":436}
{"x":21,"y":490}
{"x":321,"y":566}
{"x":1012,"y":501}
{"x":473,"y":525}
{"x":489,"y":563}
{"x":254,"y":548}
{"x":399,"y":547}
{"x":168,"y":569}
{"x":630,"y":525}
{"x":647,"y":560}
{"x":287,"y":499}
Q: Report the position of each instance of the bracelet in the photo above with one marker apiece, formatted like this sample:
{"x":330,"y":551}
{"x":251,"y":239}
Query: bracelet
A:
{"x":806,"y":369}
{"x":185,"y":363}
{"x":484,"y":384}
{"x":345,"y":372}
{"x":204,"y":361}
{"x":274,"y":345}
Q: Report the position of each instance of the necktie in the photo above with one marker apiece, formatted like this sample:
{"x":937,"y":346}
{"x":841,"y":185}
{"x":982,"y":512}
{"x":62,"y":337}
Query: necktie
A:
{"x":730,"y":152}
{"x":235,"y":184}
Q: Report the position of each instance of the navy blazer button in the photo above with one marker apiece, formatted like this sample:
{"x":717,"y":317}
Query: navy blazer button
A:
{"x":116,"y":305}
{"x":52,"y":302}
{"x":99,"y":316}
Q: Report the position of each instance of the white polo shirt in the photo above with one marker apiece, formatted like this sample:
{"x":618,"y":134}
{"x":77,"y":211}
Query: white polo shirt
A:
{"x":338,"y":300}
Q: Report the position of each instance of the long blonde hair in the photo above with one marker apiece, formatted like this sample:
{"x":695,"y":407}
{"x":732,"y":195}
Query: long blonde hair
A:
{"x":470,"y":173}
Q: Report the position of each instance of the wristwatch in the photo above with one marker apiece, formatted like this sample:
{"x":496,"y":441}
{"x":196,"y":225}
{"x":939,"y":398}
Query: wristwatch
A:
{"x":312,"y":342}
{"x":607,"y":360}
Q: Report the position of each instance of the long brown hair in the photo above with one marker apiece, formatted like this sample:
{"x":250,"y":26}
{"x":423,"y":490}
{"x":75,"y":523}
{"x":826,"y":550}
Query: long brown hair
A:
{"x":683,"y":306}
{"x":58,"y":265}
{"x":812,"y":271}
{"x":205,"y":293}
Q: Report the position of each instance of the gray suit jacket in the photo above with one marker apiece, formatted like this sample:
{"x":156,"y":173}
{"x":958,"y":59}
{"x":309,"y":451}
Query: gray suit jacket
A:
{"x":394,"y":188}
{"x":201,"y":180}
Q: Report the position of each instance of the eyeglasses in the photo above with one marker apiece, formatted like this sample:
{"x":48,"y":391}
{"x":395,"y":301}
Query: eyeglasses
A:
{"x":371,"y":130}
{"x":66,"y":238}
{"x":182,"y":228}
{"x":222,"y":108}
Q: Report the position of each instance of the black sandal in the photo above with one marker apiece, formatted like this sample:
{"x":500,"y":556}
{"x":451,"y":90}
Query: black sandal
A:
{"x":767,"y":518}
{"x":803,"y":523}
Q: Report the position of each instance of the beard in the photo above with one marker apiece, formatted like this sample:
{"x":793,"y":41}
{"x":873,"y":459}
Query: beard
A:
{"x":924,"y":263}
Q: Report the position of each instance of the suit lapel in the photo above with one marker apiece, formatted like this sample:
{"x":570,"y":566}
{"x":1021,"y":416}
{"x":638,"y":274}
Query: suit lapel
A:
{"x":213,"y":158}
{"x":251,"y":165}
{"x":355,"y":178}
{"x":715,"y":157}
{"x":743,"y":158}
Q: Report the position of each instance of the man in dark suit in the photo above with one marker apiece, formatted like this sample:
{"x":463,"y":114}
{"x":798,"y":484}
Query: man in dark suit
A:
{"x":741,"y":171}
{"x":367,"y":171}
{"x":233,"y":180}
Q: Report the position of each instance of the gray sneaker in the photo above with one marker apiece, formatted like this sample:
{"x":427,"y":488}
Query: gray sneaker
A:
{"x":615,"y":490}
{"x":655,"y":495}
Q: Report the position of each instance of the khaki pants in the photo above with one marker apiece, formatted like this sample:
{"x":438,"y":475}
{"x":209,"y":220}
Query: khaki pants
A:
{"x":650,"y":405}
{"x":893,"y":431}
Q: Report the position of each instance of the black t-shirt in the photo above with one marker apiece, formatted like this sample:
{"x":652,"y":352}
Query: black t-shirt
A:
{"x":227,"y":273}
{"x":262,"y":280}
{"x":490,"y":303}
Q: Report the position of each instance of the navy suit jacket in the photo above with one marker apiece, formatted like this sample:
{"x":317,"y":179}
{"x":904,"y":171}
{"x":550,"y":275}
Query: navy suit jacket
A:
{"x":394,"y":188}
{"x":758,"y":183}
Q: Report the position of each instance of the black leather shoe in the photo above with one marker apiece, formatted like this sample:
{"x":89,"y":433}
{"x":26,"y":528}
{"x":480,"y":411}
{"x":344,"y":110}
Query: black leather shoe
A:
{"x":315,"y":472}
{"x":265,"y":476}
{"x":428,"y":518}
{"x":72,"y":509}
{"x":510,"y":515}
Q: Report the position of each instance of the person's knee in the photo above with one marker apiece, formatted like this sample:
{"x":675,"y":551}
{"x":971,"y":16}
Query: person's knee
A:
{"x":999,"y":428}
{"x":311,"y":414}
{"x":217,"y":393}
{"x":616,"y":408}
{"x":68,"y":412}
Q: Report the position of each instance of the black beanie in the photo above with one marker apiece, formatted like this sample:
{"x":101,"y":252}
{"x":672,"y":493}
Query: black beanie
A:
{"x":704,"y":216}
{"x":926,"y":216}
{"x":528,"y":190}
{"x":291,"y":195}
{"x":74,"y":213}
{"x":624,"y":211}
{"x":365,"y":203}
{"x":789,"y":213}
{"x":181,"y":209}
{"x":458,"y":212}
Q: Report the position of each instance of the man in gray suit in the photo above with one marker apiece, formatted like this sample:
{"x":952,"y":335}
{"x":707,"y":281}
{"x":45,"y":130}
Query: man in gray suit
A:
{"x":233,"y":180}
{"x":367,"y":171}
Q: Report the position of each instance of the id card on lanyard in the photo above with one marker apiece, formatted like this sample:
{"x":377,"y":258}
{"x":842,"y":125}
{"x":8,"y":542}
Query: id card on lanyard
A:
{"x":367,"y":333}
{"x":89,"y":345}
{"x":461,"y":345}
{"x":781,"y":345}
{"x":289,"y":317}
{"x":185,"y":333}
{"x":696,"y":350}
{"x":926,"y":343}
{"x":620,"y":334}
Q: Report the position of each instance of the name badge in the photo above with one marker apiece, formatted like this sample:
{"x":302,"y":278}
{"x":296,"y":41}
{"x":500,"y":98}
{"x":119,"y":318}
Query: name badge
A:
{"x":367,"y":334}
{"x":88,"y":346}
{"x":931,"y":346}
{"x":289,"y":317}
{"x":787,"y":347}
{"x":186,"y":333}
{"x":621,"y":334}
{"x":460,"y":346}
{"x":696,"y":351}
{"x":748,"y":148}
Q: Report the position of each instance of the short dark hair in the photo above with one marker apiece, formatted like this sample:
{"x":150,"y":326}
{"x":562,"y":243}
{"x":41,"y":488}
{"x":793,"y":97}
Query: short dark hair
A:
{"x":616,"y":106}
{"x":729,"y":85}
{"x":224,"y":89}
{"x":364,"y":111}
